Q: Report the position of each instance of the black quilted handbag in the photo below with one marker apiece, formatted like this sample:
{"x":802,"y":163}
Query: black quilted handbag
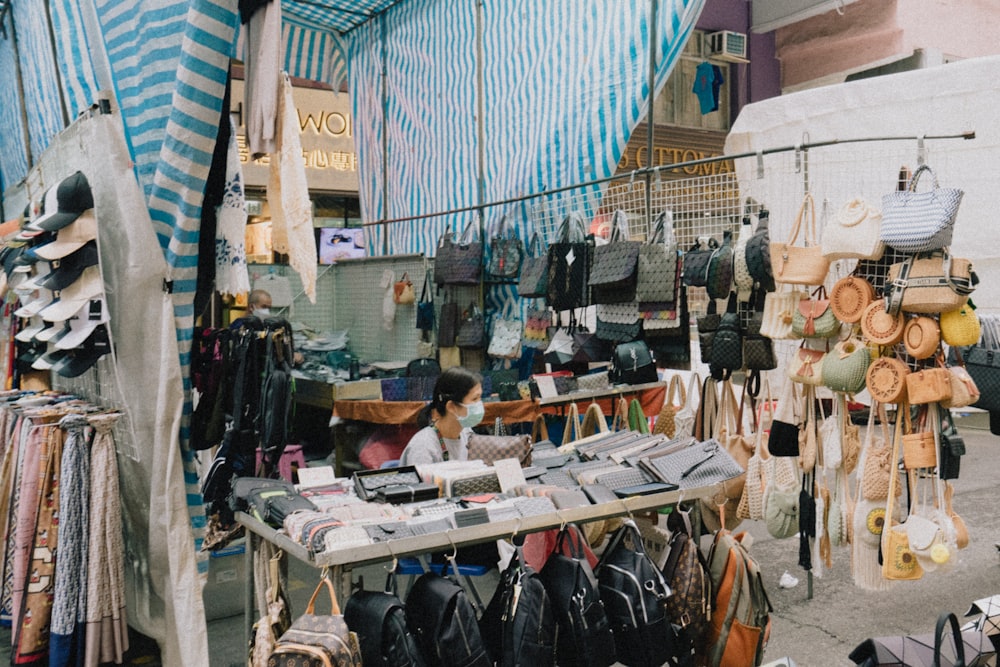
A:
{"x":472,"y":331}
{"x":459,"y":263}
{"x":707,"y":325}
{"x":614,"y":274}
{"x":614,"y":332}
{"x":758,"y":350}
{"x":696,"y":261}
{"x":570,"y":259}
{"x":451,"y":316}
{"x":758,"y":253}
{"x":983,"y":364}
{"x":506,"y":255}
{"x":534,"y":280}
{"x":720,"y":269}
{"x":727,"y":344}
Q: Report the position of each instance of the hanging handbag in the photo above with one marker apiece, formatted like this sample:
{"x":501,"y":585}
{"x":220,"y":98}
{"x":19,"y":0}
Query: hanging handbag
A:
{"x":536,"y":328}
{"x":879,"y":463}
{"x":814,"y":318}
{"x":934,"y":282}
{"x":960,"y":327}
{"x":727,"y":343}
{"x":779,"y":309}
{"x":276,"y":619}
{"x":982,"y":361}
{"x":657,"y":265}
{"x":318,"y":639}
{"x":886,"y":380}
{"x":505,"y":343}
{"x":800,"y":265}
{"x":459,"y":263}
{"x":425,"y":308}
{"x":665,"y":421}
{"x":919,"y":221}
{"x":707,"y":325}
{"x":930,"y":385}
{"x":758,"y":253}
{"x":880,"y":327}
{"x":919,"y":448}
{"x":614,"y":272}
{"x":632,"y":363}
{"x":781,"y":498}
{"x":570,"y":259}
{"x":846,"y":366}
{"x":758,"y":350}
{"x":742,"y":280}
{"x":952,"y":447}
{"x":720,"y":269}
{"x":506,"y":254}
{"x":921,"y":337}
{"x":616,"y":332}
{"x":806,"y":366}
{"x":402,"y":291}
{"x":684,"y":420}
{"x":849,"y":297}
{"x":964,"y":391}
{"x":534,"y":278}
{"x":472,"y":331}
{"x":898,"y":561}
{"x":694,"y":271}
{"x":853,"y":232}
{"x":783,"y":439}
{"x":451,"y":318}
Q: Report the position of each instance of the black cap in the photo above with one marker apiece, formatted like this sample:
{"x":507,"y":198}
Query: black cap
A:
{"x":72,"y":197}
{"x":79,"y":359}
{"x":65,"y":271}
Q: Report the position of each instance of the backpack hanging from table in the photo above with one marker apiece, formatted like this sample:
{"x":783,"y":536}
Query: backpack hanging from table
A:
{"x":317,"y":640}
{"x":635,"y":594}
{"x":379,"y":619}
{"x":444,"y":622}
{"x":518,"y":625}
{"x":689,"y":607}
{"x":584,"y":637}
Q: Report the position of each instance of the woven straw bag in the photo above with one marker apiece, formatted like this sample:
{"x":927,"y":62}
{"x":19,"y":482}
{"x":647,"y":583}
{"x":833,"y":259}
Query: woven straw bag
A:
{"x":930,"y":385}
{"x":879,"y":327}
{"x":919,"y":450}
{"x":845,"y":366}
{"x":961,"y":328}
{"x":886,"y":380}
{"x":849,"y":298}
{"x":779,"y":309}
{"x":964,"y":391}
{"x":918,"y":221}
{"x":800,"y":265}
{"x":665,"y":421}
{"x":878,"y":460}
{"x":684,"y":419}
{"x":921,"y":337}
{"x":853,"y":232}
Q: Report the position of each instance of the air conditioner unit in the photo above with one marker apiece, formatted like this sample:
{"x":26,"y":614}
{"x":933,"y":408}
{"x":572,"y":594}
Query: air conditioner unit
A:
{"x":727,"y":45}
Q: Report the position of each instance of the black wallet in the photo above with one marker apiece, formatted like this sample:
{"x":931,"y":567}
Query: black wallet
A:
{"x":406,"y":493}
{"x":368,"y":482}
{"x":645,"y":489}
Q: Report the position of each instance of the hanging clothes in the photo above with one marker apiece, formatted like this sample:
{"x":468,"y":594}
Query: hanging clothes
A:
{"x":69,"y":608}
{"x":707,"y":83}
{"x":288,"y":195}
{"x":31,"y":635}
{"x":10,"y":491}
{"x":231,"y":275}
{"x":262,"y":61}
{"x":107,"y":634}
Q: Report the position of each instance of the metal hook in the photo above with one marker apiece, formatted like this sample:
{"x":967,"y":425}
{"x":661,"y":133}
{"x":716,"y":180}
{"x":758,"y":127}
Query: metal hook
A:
{"x":517,"y":528}
{"x":921,"y":151}
{"x":760,"y":164}
{"x":395,"y":560}
{"x":562,"y":520}
{"x":454,"y":549}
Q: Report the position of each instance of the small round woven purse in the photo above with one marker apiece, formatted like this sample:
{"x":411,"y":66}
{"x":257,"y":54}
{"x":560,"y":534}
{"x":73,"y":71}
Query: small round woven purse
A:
{"x":849,"y":298}
{"x":921,"y":337}
{"x":880,"y":327}
{"x":961,"y":327}
{"x":886,"y":380}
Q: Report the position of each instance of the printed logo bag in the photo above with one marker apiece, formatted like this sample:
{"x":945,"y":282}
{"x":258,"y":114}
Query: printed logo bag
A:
{"x":316,"y":640}
{"x":919,"y":221}
{"x":929,"y":283}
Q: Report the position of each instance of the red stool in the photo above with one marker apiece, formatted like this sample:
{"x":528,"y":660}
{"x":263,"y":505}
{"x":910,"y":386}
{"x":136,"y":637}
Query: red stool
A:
{"x":291,"y":459}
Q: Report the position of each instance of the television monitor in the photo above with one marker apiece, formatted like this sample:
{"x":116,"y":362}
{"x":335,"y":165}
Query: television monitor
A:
{"x":338,"y":243}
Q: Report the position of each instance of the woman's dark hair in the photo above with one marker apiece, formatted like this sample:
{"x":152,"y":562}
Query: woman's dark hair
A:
{"x":452,"y":385}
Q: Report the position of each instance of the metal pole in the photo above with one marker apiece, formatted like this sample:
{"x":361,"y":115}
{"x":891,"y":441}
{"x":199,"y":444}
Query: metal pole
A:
{"x":55,"y":56}
{"x":480,"y":136}
{"x":650,"y":113}
{"x":385,"y":134}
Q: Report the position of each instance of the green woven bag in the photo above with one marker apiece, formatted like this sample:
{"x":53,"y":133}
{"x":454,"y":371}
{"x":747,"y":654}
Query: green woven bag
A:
{"x":845,"y":366}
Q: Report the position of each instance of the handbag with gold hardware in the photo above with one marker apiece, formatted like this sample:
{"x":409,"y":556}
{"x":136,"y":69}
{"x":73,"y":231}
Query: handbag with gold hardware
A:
{"x":930,"y":385}
{"x":961,"y":328}
{"x":921,"y":336}
{"x":800,"y":265}
{"x":879,"y":327}
{"x":849,"y":298}
{"x":806,"y":366}
{"x":886,"y":380}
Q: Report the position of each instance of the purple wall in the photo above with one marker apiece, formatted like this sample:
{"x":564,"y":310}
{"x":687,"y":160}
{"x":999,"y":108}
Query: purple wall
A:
{"x":761,"y":78}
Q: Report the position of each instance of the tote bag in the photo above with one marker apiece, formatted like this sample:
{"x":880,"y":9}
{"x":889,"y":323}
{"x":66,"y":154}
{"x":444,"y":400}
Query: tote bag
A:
{"x":569,"y":265}
{"x":657,"y":273}
{"x":800,"y":265}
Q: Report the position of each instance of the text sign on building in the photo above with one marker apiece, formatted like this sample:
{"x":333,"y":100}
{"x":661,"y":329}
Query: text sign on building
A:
{"x":326,"y":129}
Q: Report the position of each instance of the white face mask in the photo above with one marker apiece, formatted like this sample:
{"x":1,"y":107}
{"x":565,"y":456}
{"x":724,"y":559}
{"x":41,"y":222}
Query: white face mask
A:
{"x":473,"y":415}
{"x":262,"y":312}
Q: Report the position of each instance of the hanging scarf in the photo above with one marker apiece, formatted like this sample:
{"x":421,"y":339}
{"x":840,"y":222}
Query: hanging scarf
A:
{"x":231,"y":275}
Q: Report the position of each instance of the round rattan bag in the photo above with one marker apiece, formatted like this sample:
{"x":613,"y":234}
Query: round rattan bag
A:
{"x":886,"y":380}
{"x":921,"y":336}
{"x":961,"y":327}
{"x":849,"y":298}
{"x":880,"y":327}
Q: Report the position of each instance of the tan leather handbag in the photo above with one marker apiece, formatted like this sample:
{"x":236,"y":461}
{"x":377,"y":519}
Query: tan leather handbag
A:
{"x":921,"y":337}
{"x":886,"y":380}
{"x":849,"y":298}
{"x":800,"y":265}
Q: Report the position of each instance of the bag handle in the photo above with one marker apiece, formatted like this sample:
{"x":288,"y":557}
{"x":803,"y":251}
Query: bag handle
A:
{"x":620,"y":421}
{"x":571,"y":432}
{"x":807,"y":205}
{"x":539,"y":429}
{"x":956,"y":634}
{"x":663,"y":229}
{"x":619,"y":227}
{"x":274,"y":575}
{"x":694,"y":385}
{"x":534,"y":246}
{"x":912,"y":186}
{"x":426,"y":296}
{"x":572,"y":229}
{"x":334,"y":606}
{"x":637,"y":418}
{"x":675,"y":387}
{"x":468,"y":233}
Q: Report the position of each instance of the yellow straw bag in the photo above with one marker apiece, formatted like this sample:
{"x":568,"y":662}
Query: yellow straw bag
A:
{"x":961,"y":327}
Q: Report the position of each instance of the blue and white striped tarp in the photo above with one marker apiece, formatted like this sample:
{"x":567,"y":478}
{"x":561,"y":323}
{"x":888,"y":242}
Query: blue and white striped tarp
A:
{"x":565,"y":82}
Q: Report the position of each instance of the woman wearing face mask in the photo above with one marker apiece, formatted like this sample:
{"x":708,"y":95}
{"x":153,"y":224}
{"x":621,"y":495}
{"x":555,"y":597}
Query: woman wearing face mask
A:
{"x":447,"y":420}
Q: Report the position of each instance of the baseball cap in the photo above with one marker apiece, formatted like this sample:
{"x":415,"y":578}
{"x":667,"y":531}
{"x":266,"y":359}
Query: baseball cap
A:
{"x":28,"y":353}
{"x":28,"y":333}
{"x":64,"y":203}
{"x":74,"y":296}
{"x":32,"y":308}
{"x":50,"y":331}
{"x":42,"y":271}
{"x":65,"y":271}
{"x":70,"y":238}
{"x":79,"y":359}
{"x":26,"y":259}
{"x":83,"y":323}
{"x":48,"y":360}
